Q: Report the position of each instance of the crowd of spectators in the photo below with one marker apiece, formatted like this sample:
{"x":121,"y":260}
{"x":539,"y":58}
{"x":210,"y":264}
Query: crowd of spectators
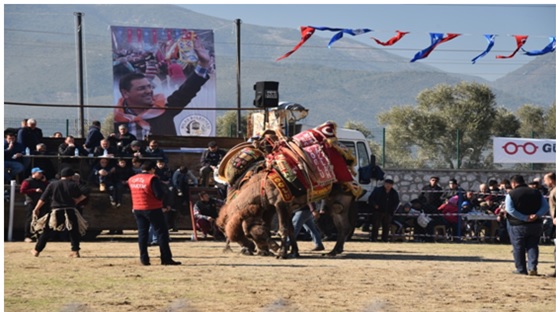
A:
{"x":454,"y":208}
{"x":104,"y":163}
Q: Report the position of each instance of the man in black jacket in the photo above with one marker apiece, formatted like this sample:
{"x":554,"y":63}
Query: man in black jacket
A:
{"x":383,"y":202}
{"x":525,"y":207}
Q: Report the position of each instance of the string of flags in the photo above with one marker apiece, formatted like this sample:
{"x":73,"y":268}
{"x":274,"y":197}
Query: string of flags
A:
{"x":436,"y":40}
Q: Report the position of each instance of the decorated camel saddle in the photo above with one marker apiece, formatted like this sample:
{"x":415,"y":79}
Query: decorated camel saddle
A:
{"x":311,"y":161}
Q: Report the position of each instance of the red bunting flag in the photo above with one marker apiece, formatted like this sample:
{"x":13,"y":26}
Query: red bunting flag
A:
{"x":306,"y":33}
{"x":392,"y":40}
{"x":520,"y":41}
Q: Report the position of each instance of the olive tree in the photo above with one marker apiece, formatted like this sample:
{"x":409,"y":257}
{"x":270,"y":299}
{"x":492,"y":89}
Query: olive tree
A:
{"x":449,"y":127}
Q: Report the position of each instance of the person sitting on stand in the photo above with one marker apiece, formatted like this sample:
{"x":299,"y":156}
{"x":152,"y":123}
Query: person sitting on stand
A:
{"x":101,"y":176}
{"x":122,"y":139}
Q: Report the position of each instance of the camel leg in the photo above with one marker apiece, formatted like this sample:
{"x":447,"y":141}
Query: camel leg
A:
{"x":340,"y":211}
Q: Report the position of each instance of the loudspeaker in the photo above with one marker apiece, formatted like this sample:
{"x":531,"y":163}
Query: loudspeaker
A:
{"x":266,"y":94}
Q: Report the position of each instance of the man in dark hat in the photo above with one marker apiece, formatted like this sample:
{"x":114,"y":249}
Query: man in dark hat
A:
{"x":210,"y":159}
{"x":63,"y":196}
{"x":383,"y":202}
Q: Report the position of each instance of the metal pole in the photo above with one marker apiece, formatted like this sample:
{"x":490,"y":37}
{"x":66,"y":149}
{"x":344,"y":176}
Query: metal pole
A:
{"x":383,"y":147}
{"x":79,"y":33}
{"x":11,"y":217}
{"x":458,"y":162}
{"x":238,"y":76}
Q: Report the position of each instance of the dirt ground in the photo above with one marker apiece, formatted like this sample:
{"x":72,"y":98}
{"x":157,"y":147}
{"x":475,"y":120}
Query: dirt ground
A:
{"x":406,"y":276}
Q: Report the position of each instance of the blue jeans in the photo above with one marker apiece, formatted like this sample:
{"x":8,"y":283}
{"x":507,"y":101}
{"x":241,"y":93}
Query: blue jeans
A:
{"x":144,"y":220}
{"x":304,"y":218}
{"x":525,"y":240}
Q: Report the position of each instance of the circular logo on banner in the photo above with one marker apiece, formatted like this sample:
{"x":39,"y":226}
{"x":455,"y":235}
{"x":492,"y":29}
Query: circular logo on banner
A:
{"x":195,"y":125}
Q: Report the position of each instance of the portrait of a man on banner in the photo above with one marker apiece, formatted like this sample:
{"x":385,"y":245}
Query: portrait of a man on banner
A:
{"x":158,"y":72}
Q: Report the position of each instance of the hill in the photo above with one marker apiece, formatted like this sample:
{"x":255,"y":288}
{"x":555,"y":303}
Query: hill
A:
{"x":352,"y":81}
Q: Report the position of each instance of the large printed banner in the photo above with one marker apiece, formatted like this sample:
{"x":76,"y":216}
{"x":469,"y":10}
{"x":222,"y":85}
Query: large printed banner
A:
{"x":157,"y":68}
{"x":515,"y":150}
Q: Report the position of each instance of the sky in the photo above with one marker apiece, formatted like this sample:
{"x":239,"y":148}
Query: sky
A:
{"x":538,"y":21}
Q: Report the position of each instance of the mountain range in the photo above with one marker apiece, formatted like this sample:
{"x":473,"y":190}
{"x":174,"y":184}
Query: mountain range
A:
{"x":353,"y":81}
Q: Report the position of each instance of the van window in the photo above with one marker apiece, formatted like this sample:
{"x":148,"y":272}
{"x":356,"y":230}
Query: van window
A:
{"x":351,"y":146}
{"x":361,"y":153}
{"x":363,"y":157}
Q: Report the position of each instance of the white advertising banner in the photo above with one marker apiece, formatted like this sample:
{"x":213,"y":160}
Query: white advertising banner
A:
{"x":517,"y":150}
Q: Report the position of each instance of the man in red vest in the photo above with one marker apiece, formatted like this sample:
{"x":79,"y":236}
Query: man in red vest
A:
{"x":146,"y":197}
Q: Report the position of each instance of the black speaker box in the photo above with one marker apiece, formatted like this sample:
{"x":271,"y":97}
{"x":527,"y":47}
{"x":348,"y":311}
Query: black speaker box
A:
{"x":266,"y":94}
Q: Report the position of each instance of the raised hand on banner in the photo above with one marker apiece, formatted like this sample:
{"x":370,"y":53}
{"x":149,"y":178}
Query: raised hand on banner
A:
{"x":202,"y":53}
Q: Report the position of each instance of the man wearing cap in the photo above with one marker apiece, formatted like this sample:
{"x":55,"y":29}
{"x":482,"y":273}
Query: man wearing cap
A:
{"x":383,"y":202}
{"x":525,"y":208}
{"x":63,"y":196}
{"x":146,"y":198}
{"x":32,"y":187}
{"x":210,"y":159}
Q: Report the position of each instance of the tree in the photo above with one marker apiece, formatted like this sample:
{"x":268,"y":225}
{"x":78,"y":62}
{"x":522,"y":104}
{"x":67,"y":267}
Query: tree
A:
{"x":532,"y":121}
{"x":427,"y":134}
{"x":227,"y":124}
{"x":550,"y":128}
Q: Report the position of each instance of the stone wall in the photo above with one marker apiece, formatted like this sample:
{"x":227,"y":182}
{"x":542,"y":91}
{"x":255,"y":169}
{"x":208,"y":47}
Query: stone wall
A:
{"x":408,"y":182}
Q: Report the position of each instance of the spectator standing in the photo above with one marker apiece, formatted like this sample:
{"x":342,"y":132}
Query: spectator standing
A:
{"x":181,"y":179}
{"x":63,"y":196}
{"x":146,"y":196}
{"x":122,"y":173}
{"x":303,"y":218}
{"x":210,"y":159}
{"x":525,"y":207}
{"x":32,"y":187}
{"x":383,"y":201}
{"x":94,"y":136}
{"x":550,"y":181}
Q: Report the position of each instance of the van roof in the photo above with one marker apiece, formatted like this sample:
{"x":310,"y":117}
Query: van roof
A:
{"x":341,"y":133}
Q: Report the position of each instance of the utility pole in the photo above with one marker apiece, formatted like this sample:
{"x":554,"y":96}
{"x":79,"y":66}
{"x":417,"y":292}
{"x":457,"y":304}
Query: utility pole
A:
{"x":79,"y":34}
{"x":238,"y":76}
